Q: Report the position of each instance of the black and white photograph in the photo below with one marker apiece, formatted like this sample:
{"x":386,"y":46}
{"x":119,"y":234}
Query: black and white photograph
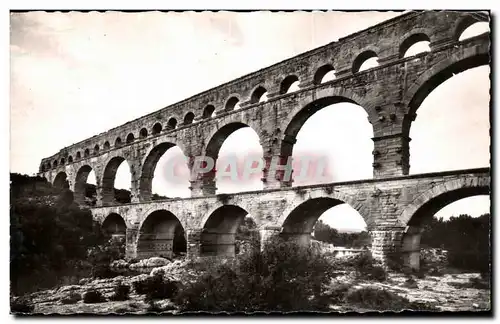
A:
{"x":246,"y":162}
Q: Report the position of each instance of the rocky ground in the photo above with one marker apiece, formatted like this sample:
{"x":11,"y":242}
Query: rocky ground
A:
{"x":448,"y":292}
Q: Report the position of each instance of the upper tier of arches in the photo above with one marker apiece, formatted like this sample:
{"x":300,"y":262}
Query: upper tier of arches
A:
{"x":341,"y":59}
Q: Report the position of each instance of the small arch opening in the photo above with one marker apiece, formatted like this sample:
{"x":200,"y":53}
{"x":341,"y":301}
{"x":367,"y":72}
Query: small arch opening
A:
{"x":476,"y":29}
{"x":96,"y":148}
{"x":55,"y":164}
{"x":232,"y":104}
{"x":70,"y":159}
{"x":289,"y":84}
{"x":63,"y":161}
{"x":143,"y":133}
{"x":86,"y":153}
{"x":118,"y":142}
{"x":130,"y":138}
{"x":157,"y":129}
{"x":188,"y":119}
{"x":171,"y":124}
{"x":259,"y":95}
{"x":324,"y":74}
{"x":107,"y":146}
{"x":209,"y":111}
{"x":365,"y":61}
{"x":415,"y":44}
{"x":78,"y":155}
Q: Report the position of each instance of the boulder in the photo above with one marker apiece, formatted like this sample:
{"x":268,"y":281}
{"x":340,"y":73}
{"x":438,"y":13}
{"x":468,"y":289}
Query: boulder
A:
{"x":119,"y":264}
{"x":150,"y":263}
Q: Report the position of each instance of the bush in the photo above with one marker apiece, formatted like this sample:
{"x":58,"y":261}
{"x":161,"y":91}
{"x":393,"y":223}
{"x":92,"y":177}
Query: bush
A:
{"x":381,"y":299}
{"x":103,"y":271}
{"x":121,"y":292}
{"x":337,"y":293}
{"x":21,"y":305}
{"x":156,"y":287}
{"x":283,"y":277}
{"x":366,"y":268}
{"x":93,"y":296}
{"x":72,"y":298}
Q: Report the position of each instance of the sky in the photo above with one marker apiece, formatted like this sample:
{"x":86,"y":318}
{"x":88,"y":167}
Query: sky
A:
{"x":75,"y":75}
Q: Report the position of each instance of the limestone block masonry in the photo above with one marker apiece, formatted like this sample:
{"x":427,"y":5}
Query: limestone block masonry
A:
{"x":390,"y":93}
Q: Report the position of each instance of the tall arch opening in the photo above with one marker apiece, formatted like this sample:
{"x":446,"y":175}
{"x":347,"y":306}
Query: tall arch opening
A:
{"x":165,"y":173}
{"x":237,"y":153}
{"x":116,"y":182}
{"x":454,"y":226}
{"x":114,"y":226}
{"x":335,"y":225}
{"x":452,"y":128}
{"x":61,"y":181}
{"x":330,"y":141}
{"x":161,"y":235}
{"x":85,"y":186}
{"x":219,"y":233}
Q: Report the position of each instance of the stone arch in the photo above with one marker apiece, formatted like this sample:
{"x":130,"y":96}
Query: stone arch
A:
{"x":257,"y":94}
{"x":78,"y":155}
{"x":107,"y":146}
{"x":118,"y":142}
{"x":81,"y":182}
{"x":412,"y":40}
{"x":321,"y":72}
{"x":96,"y":149}
{"x":70,"y":159}
{"x":188,"y":118}
{"x":219,"y":231}
{"x":157,"y":128}
{"x":86,"y":153}
{"x":61,"y":181}
{"x":143,"y":133}
{"x":115,"y":225}
{"x":55,"y":164}
{"x":361,"y":58}
{"x":463,"y":24}
{"x":148,"y":168}
{"x":63,"y":161}
{"x":130,"y":138}
{"x":108,"y":179}
{"x":427,"y":205}
{"x":297,"y":118}
{"x":287,"y":82}
{"x":215,"y":142}
{"x":298,"y":221}
{"x":441,"y":195}
{"x":172,"y":123}
{"x":157,"y":235}
{"x":208,"y":111}
{"x":231,"y":103}
{"x":433,"y":77}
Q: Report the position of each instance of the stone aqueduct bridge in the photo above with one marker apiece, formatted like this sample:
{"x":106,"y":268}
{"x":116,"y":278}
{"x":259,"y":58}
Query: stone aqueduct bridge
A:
{"x":392,"y":203}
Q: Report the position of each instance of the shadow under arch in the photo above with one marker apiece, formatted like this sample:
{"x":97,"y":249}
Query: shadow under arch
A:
{"x":218,"y":237}
{"x":160,"y":235}
{"x":81,"y":183}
